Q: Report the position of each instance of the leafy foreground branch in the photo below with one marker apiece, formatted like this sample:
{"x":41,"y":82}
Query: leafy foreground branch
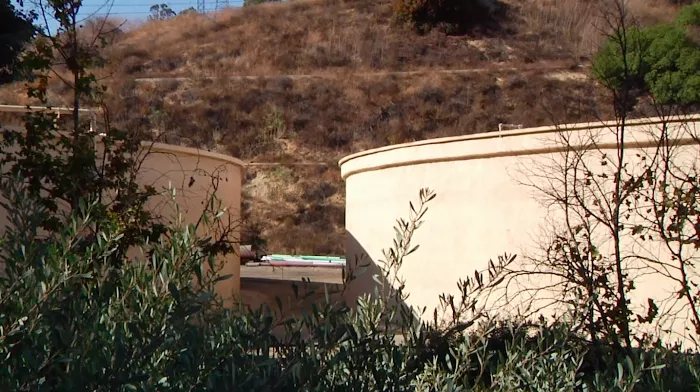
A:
{"x":72,"y":321}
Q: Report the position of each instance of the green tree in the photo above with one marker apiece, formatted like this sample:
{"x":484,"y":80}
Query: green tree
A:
{"x":661,"y":61}
{"x":16,"y":31}
{"x":689,"y":16}
{"x":161,"y":12}
{"x":61,"y":165}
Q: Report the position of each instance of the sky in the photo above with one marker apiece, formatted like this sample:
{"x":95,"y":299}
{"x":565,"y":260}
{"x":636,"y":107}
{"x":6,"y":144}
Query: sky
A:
{"x":131,"y":10}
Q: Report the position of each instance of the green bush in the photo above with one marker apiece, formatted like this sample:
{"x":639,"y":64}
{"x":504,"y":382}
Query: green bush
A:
{"x":689,"y":15}
{"x":661,"y":60}
{"x":71,"y":322}
{"x":454,"y":16}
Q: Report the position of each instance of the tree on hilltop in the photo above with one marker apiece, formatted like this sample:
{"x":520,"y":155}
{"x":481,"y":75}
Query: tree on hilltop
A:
{"x":161,"y":12}
{"x":662,"y":61}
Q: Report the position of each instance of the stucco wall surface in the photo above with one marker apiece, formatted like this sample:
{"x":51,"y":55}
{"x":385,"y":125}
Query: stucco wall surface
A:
{"x":489,"y":201}
{"x":196,"y":176}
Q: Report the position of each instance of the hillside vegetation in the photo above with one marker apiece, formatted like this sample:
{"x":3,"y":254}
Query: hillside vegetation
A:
{"x":314,"y":80}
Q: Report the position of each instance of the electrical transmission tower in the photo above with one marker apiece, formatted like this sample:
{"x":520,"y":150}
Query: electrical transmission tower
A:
{"x":220,"y":4}
{"x":201,"y":7}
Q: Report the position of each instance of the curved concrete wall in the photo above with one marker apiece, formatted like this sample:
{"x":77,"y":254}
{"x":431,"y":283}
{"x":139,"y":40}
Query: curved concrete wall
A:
{"x":195,"y":175}
{"x":482,"y":209}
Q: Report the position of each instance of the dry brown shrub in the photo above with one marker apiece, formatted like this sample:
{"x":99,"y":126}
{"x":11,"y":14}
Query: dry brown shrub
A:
{"x":561,"y":25}
{"x":650,"y":12}
{"x":303,"y":37}
{"x":577,"y":25}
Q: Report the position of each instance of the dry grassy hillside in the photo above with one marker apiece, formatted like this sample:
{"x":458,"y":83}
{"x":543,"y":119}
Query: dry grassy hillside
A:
{"x":312,"y":37}
{"x":330,"y":78}
{"x":336,"y":36}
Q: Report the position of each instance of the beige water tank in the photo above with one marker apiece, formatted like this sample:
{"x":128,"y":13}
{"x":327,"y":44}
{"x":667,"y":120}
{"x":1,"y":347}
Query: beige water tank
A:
{"x":196,"y":176}
{"x":483,"y":206}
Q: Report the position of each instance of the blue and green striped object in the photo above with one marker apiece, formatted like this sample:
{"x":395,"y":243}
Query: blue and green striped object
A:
{"x":302,"y":259}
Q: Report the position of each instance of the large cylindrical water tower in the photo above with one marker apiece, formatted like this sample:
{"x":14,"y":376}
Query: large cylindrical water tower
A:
{"x":195,"y":176}
{"x":486,"y":202}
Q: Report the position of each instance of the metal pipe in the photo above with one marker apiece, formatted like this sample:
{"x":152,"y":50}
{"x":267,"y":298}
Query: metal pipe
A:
{"x":57,"y":110}
{"x":29,"y":108}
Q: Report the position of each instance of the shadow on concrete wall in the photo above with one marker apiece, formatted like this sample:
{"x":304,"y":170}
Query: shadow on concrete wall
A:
{"x":368,"y":276}
{"x":262,"y":293}
{"x":282,"y":301}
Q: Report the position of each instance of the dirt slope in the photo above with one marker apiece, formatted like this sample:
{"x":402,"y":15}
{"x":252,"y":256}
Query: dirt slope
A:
{"x":314,"y":80}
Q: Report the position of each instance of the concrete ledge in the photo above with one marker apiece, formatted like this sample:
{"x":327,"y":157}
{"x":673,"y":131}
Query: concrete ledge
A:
{"x":314,"y":274}
{"x":154,"y":147}
{"x":498,"y":144}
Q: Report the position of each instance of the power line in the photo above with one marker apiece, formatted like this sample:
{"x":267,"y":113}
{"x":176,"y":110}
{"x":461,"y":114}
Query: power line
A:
{"x":122,"y":13}
{"x":221,"y":4}
{"x":130,"y":5}
{"x":201,"y":5}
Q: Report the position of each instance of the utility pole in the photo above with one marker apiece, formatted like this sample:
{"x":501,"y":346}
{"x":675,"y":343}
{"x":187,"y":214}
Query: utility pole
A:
{"x":201,"y":7}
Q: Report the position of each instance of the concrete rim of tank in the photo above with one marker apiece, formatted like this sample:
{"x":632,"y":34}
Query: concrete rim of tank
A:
{"x":172,"y":148}
{"x":354,"y":163}
{"x":181,"y":150}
